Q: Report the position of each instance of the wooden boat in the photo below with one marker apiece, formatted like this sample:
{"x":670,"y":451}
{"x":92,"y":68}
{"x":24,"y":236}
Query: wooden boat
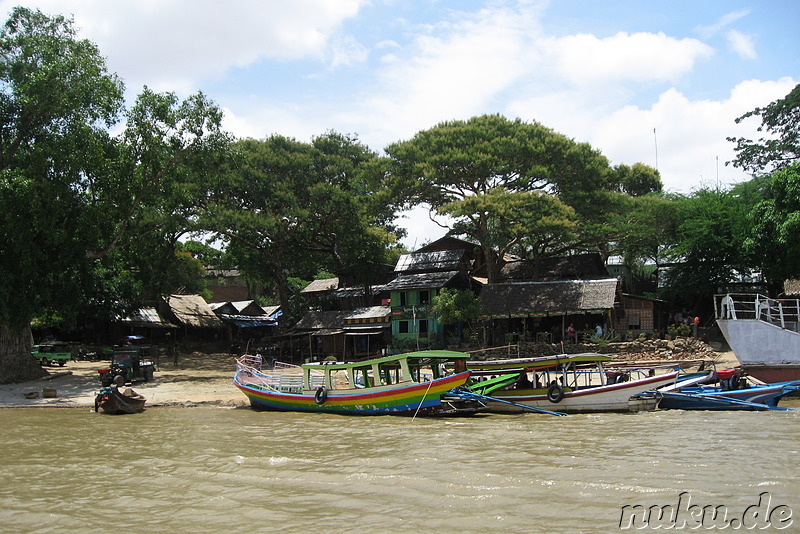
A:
{"x":575,"y":383}
{"x":723,"y":390}
{"x":113,"y":401}
{"x":404,"y":384}
{"x":763,"y":333}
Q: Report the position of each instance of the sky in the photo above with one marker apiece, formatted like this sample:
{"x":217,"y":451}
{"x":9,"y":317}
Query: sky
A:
{"x":659,"y":82}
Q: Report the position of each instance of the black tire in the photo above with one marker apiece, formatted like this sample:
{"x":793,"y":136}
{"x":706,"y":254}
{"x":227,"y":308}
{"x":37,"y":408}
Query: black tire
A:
{"x":555,"y":393}
{"x":61,"y":363}
{"x":321,"y":395}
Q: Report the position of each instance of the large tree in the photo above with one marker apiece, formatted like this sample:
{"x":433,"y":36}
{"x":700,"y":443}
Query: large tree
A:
{"x":56,"y":97}
{"x":708,"y":253}
{"x":289,"y":208}
{"x":780,"y":146}
{"x":505,"y":181}
{"x":76,"y":203}
{"x":773,"y":243}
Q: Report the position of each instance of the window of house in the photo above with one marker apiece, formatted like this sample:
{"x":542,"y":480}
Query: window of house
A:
{"x":403,"y":298}
{"x":424,"y":297}
{"x":423,"y":327}
{"x":402,"y":327}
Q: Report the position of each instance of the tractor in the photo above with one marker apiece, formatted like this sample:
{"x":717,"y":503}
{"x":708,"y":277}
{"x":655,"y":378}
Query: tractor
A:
{"x":131,"y":363}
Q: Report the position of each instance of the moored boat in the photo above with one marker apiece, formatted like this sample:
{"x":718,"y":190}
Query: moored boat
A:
{"x":726,"y":389}
{"x":414,"y":383}
{"x":113,"y":401}
{"x":763,"y":333}
{"x":574,"y":383}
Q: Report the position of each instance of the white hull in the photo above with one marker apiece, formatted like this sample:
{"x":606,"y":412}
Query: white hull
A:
{"x":609,"y":398}
{"x":756,"y":342}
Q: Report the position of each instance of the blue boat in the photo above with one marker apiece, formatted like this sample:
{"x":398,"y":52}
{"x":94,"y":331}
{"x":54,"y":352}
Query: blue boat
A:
{"x":724,"y":390}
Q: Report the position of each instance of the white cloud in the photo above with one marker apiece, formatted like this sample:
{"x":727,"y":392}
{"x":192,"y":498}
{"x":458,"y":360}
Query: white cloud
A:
{"x":691,"y":135}
{"x":638,"y":57}
{"x":347,"y":51}
{"x":173,"y":44}
{"x":742,"y":44}
{"x":451,"y":70}
{"x":724,"y":21}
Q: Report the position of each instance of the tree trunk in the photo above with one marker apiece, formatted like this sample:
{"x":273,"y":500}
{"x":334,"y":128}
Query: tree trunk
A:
{"x":16,"y":362}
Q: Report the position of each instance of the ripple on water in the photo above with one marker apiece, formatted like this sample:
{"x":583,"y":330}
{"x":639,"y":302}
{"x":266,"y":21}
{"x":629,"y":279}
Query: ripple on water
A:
{"x":210,"y":470}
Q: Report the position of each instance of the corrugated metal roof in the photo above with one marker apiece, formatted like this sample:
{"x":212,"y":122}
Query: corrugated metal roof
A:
{"x":147,"y":317}
{"x":440,"y":260}
{"x":372,"y":312}
{"x":325,"y":284}
{"x":316,"y":320}
{"x":271,"y":311}
{"x":420,"y":281}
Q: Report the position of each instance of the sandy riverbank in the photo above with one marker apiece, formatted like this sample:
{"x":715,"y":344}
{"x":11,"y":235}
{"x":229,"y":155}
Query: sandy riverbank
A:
{"x":198,"y":379}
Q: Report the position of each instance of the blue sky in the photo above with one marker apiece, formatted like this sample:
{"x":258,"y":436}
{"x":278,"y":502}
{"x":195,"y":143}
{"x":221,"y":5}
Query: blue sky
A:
{"x":605,"y":72}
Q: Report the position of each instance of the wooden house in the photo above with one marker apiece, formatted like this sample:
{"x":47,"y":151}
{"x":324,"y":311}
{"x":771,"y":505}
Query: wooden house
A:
{"x":420,"y":277}
{"x":542,"y":311}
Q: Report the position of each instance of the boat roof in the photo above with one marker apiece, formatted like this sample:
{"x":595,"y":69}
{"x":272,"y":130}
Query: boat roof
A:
{"x":424,"y":355}
{"x":538,"y":362}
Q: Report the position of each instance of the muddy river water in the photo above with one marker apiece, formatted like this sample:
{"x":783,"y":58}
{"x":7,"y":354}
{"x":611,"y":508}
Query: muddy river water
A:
{"x":222,"y":470}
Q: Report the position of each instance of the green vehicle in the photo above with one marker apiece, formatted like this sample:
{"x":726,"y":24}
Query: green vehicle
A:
{"x":55,"y":352}
{"x":131,"y":363}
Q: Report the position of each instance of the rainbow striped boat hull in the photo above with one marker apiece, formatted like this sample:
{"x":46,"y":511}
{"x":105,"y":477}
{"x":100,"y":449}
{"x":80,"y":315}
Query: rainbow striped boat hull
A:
{"x":424,"y":398}
{"x":415,"y":383}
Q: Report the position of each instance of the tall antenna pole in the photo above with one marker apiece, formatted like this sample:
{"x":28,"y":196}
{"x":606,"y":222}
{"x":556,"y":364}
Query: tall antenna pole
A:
{"x":655,"y":140}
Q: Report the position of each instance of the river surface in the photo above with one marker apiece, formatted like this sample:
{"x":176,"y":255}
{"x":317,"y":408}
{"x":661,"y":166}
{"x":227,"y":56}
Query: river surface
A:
{"x":221,"y":470}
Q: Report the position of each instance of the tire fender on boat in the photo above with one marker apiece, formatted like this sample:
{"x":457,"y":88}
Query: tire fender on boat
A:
{"x":555,"y":393}
{"x":321,"y":395}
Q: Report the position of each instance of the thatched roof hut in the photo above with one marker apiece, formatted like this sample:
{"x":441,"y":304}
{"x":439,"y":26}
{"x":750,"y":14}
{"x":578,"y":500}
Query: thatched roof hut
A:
{"x":530,"y":299}
{"x":193,"y":311}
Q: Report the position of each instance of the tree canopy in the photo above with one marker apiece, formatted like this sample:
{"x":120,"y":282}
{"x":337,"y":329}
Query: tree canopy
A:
{"x":79,"y":206}
{"x":780,"y":146}
{"x":293,"y":207}
{"x":504,"y":181}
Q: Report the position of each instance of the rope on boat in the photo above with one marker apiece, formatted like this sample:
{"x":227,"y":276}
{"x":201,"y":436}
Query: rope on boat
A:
{"x":471,"y":395}
{"x":430,"y":383}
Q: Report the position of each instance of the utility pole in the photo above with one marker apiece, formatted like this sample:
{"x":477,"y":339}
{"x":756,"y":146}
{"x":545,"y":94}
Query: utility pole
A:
{"x":655,"y":140}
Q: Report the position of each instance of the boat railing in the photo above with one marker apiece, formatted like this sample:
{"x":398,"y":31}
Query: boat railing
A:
{"x":784,"y":313}
{"x":283,"y":377}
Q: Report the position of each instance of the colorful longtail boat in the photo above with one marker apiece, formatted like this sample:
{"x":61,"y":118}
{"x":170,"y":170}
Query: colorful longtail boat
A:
{"x":571,"y":383}
{"x":414,"y":383}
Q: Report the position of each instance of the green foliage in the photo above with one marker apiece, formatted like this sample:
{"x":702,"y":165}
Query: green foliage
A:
{"x":504,"y":182}
{"x":287,"y":207}
{"x":647,"y":226}
{"x":708,"y":253}
{"x":456,"y":305}
{"x":681,"y":329}
{"x":773,"y":242}
{"x":780,"y":147}
{"x":90,"y":220}
{"x":638,"y":180}
{"x":55,"y":98}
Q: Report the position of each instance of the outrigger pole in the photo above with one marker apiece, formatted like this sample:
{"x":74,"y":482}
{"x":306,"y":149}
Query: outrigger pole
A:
{"x":722,"y":400}
{"x":470,"y":395}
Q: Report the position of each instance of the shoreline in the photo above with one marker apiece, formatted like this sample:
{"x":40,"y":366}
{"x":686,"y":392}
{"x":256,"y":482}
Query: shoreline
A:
{"x":198,"y":379}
